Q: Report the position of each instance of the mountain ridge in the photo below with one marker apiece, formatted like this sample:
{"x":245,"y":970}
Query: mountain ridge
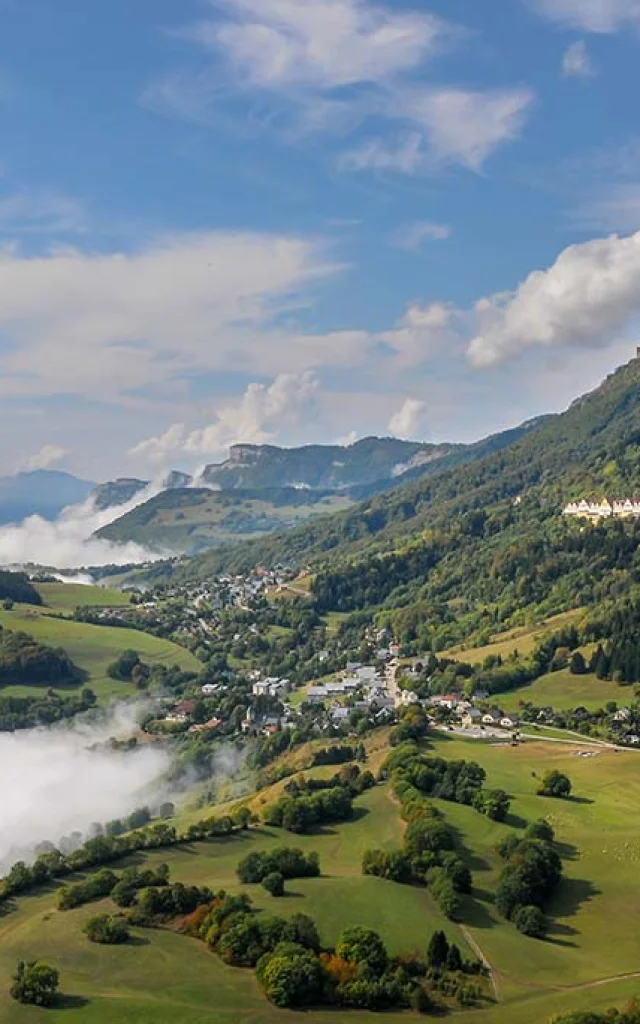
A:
{"x":42,"y":492}
{"x":593,"y":444}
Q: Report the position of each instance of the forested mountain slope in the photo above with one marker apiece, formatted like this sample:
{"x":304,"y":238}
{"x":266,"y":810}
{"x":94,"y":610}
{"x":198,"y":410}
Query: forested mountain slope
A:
{"x":591,"y":448}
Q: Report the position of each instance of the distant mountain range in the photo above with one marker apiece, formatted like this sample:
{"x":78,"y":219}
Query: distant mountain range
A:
{"x":43,"y":492}
{"x":259,"y":489}
{"x":262,"y":489}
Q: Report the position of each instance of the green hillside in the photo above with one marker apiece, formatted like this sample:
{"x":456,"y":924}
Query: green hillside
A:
{"x":92,"y":648}
{"x":591,"y":447}
{"x":588,"y":962}
{"x":191,"y":519}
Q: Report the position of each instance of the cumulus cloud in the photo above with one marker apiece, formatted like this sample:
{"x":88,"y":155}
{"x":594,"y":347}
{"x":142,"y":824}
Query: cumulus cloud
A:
{"x":68,"y":542}
{"x":420,"y":333}
{"x":255,"y":419}
{"x":412,"y":236}
{"x":405,"y":423}
{"x":590,"y":293}
{"x":62,"y":779}
{"x":105,"y":325}
{"x":602,"y":16}
{"x":332,"y":64}
{"x":48,"y":456}
{"x":576,"y":62}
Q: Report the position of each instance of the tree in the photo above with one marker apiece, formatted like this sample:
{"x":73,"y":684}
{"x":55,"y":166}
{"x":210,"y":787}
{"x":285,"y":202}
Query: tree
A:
{"x":107,"y":930}
{"x":454,"y":958}
{"x":530,"y":921}
{"x":555,"y":783}
{"x":363,"y":946}
{"x":540,"y":829}
{"x":438,"y":949}
{"x":122,"y":668}
{"x":291,"y":976}
{"x":421,"y":1001}
{"x":494,"y":803}
{"x":274,"y":883}
{"x":578,"y":665}
{"x":35,"y":983}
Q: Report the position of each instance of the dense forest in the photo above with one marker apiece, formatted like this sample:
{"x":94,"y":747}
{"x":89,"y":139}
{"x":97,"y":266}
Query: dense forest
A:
{"x":15,"y":586}
{"x":25,"y":661}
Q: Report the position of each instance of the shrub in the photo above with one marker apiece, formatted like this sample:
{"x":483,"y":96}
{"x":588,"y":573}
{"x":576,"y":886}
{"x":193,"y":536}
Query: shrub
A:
{"x":555,"y":784}
{"x":291,"y":976}
{"x":530,"y":921}
{"x":363,"y":946}
{"x":274,"y":883}
{"x":106,"y":930}
{"x":35,"y":983}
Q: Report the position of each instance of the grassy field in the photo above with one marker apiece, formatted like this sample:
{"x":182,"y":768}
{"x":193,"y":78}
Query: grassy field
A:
{"x":592,"y":947}
{"x":93,"y":648}
{"x":523,"y":639}
{"x":563,"y":691}
{"x":66,"y":597}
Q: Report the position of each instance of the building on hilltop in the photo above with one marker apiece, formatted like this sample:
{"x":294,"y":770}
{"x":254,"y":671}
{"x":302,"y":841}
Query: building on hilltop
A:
{"x":620,"y":508}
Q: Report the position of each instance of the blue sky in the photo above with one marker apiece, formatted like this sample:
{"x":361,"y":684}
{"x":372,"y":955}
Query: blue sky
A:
{"x":308,"y":220}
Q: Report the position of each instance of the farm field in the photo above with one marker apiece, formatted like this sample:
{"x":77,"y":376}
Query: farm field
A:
{"x":93,"y":648}
{"x":563,"y":691}
{"x":589,"y":961}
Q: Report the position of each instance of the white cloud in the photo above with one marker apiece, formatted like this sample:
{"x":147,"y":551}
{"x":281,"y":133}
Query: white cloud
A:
{"x":324,"y":44}
{"x":421,"y":333}
{"x":411,"y":236}
{"x":332,"y":64}
{"x":104,"y":325}
{"x":602,"y":16}
{"x":576,"y":62}
{"x":68,"y":542}
{"x":444,"y":126}
{"x":585,"y":298}
{"x":49,"y":455}
{"x":405,"y":423}
{"x":256,"y":419}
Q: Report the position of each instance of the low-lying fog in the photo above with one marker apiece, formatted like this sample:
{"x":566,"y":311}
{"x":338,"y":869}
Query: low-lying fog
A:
{"x":53,"y":783}
{"x":68,"y":541}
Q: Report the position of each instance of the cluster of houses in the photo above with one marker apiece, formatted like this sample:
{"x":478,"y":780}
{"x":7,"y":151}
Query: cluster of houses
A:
{"x":472,"y":716}
{"x":623,"y":508}
{"x":366,"y":687}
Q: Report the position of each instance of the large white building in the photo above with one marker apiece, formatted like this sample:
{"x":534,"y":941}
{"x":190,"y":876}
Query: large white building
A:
{"x":623,"y":508}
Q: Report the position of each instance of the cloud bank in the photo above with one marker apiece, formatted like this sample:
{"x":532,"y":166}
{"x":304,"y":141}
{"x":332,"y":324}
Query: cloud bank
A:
{"x":54,"y":783}
{"x":68,"y":542}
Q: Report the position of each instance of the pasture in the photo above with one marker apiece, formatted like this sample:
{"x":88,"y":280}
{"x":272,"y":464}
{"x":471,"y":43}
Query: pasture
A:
{"x":589,"y":961}
{"x":93,"y":648}
{"x":522,"y":639}
{"x":563,"y":691}
{"x":66,"y":597}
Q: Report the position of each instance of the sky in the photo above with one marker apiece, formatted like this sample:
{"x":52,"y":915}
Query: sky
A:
{"x":295,"y":221}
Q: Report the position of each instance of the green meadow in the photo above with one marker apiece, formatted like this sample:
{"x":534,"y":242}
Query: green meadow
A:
{"x":563,"y":691}
{"x":66,"y":597}
{"x":589,"y":961}
{"x":92,"y":648}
